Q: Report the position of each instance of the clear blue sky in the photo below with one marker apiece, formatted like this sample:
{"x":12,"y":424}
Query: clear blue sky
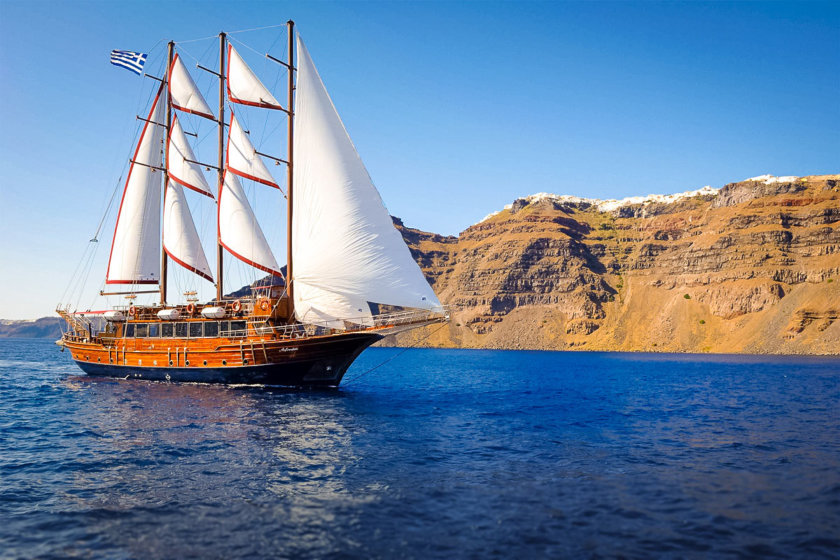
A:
{"x":456,"y":108}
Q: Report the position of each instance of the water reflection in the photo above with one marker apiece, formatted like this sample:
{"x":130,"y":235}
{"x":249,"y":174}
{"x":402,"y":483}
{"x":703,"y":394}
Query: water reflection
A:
{"x":194,"y":455}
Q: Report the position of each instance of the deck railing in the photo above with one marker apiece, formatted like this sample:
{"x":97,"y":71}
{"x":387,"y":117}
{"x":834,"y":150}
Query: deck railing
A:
{"x":380,"y":322}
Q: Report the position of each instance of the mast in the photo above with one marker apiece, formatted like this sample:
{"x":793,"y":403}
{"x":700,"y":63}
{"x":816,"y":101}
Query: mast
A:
{"x":219,"y":247}
{"x":290,"y":191}
{"x":163,"y":259}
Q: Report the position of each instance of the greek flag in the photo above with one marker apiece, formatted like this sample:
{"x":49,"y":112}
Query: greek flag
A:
{"x":129,"y":60}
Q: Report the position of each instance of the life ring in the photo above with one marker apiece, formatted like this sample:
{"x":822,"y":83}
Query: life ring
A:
{"x":264,"y":305}
{"x":190,"y":308}
{"x":132,"y":311}
{"x":237,"y":306}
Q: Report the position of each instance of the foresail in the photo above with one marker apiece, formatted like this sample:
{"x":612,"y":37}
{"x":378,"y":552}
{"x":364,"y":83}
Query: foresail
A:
{"x":346,"y":249}
{"x":180,"y":161}
{"x":180,"y":238}
{"x":239,"y":230}
{"x":135,"y":250}
{"x":243,"y":159}
{"x":184,"y":92}
{"x":243,"y":85}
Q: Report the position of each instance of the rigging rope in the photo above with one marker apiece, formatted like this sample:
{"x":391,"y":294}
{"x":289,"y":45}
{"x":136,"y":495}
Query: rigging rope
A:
{"x":395,"y":356}
{"x":257,"y":28}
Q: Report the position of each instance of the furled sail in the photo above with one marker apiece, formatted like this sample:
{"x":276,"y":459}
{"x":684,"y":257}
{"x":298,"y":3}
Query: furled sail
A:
{"x":180,"y":161}
{"x":180,"y":238}
{"x":184,"y":92}
{"x":135,"y":251}
{"x":243,"y":85}
{"x":242,"y":158}
{"x":239,"y":230}
{"x":346,"y":249}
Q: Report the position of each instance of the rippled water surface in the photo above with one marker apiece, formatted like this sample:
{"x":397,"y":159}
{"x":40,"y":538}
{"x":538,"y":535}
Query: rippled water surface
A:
{"x":438,"y":453}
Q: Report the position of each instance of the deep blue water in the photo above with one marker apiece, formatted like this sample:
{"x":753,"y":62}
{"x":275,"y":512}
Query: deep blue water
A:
{"x":436,"y":454}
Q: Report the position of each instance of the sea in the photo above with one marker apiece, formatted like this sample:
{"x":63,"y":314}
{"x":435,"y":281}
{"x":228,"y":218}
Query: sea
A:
{"x":426,"y":453}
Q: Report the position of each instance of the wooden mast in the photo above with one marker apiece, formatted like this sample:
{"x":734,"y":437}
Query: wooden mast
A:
{"x":163,"y":259}
{"x":290,"y":191}
{"x":219,"y":248}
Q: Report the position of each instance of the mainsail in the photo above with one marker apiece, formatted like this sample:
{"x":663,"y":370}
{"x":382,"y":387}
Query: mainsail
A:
{"x":181,"y":164}
{"x":346,"y":249}
{"x":239,"y":230}
{"x":135,"y":251}
{"x":244,"y":87}
{"x":180,"y":238}
{"x":243,"y":159}
{"x":185,"y":94}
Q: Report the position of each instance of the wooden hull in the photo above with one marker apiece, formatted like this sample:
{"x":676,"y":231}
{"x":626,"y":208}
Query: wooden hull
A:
{"x":319,"y":361}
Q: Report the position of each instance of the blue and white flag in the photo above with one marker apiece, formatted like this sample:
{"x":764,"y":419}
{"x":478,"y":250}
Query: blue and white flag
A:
{"x":129,"y":60}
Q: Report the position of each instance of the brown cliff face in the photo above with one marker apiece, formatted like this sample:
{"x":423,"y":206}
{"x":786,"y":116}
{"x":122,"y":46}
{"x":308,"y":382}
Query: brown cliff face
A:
{"x":753,"y":268}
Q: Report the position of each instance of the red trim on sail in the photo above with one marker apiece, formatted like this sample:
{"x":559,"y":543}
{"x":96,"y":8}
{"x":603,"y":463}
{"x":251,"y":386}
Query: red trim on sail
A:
{"x":125,"y":188}
{"x":236,"y":171}
{"x":252,"y":263}
{"x":169,"y":85}
{"x":188,"y":267}
{"x":251,"y":177}
{"x":171,"y":175}
{"x":231,"y":251}
{"x":192,"y":188}
{"x":242,"y":101}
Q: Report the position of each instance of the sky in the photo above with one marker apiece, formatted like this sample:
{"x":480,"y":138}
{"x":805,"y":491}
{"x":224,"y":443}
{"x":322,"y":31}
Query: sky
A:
{"x":456,"y":108}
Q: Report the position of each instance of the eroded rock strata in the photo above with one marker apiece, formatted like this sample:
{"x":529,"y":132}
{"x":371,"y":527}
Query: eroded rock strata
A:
{"x":753,"y":267}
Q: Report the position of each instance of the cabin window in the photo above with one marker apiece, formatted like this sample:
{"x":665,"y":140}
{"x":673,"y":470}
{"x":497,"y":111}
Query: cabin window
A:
{"x":129,"y":330}
{"x":181,"y":330}
{"x":211,"y":329}
{"x":153,"y":329}
{"x":195,"y":330}
{"x":238,"y":328}
{"x":167,"y":329}
{"x":141,"y":330}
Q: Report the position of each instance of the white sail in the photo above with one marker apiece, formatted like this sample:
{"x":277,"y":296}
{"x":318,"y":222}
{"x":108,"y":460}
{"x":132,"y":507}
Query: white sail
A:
{"x":239,"y":230}
{"x":180,"y":160}
{"x":346,"y":249}
{"x":135,"y":250}
{"x":184,"y":92}
{"x":242,"y":158}
{"x":180,"y":238}
{"x":243,"y":85}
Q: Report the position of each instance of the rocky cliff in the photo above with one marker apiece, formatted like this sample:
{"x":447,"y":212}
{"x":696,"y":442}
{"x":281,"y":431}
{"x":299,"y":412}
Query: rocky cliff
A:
{"x":45,"y":327}
{"x":751,"y":267}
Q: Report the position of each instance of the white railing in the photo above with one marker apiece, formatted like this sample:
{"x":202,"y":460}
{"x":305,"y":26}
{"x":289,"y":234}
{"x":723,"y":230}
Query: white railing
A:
{"x":357,"y":324}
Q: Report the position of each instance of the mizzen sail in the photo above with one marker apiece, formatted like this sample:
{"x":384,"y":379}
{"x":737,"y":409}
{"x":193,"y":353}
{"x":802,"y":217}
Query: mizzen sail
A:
{"x":239,"y":230}
{"x":135,"y":250}
{"x":180,"y":238}
{"x":243,"y":159}
{"x":244,"y":87}
{"x":346,"y":249}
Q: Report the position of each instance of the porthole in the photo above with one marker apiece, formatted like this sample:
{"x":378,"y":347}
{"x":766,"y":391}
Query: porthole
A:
{"x":245,"y":361}
{"x":187,"y":363}
{"x":171,"y":362}
{"x":98,"y":359}
{"x":155,"y":362}
{"x":205,"y":362}
{"x":224,"y":362}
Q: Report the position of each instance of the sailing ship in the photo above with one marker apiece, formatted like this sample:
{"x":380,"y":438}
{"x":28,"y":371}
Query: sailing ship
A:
{"x":349,"y":280}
